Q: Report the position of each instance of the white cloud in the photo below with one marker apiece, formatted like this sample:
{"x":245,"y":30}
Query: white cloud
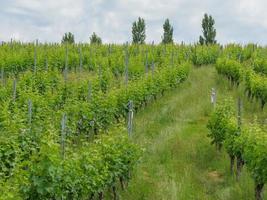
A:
{"x":47,"y":20}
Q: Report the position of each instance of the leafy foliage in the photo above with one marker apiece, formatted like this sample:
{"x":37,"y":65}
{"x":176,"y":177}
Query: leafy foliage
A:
{"x":138,"y":31}
{"x":247,"y":144}
{"x":232,"y":69}
{"x":209,"y":32}
{"x":167,"y":37}
{"x":204,"y":55}
{"x":96,"y":153}
{"x":218,"y":123}
{"x":260,"y":65}
{"x":68,"y":38}
{"x":232,"y":134}
{"x":254,"y":142}
{"x":94,"y":39}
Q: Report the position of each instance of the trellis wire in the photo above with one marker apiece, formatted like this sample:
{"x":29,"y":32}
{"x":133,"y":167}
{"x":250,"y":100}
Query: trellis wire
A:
{"x":109,"y":49}
{"x":89,"y":92}
{"x":126,"y":66}
{"x":63,"y":134}
{"x":172,"y":58}
{"x":46,"y":63}
{"x":35,"y":57}
{"x":99,"y":73}
{"x":66,"y":64}
{"x":80,"y":60}
{"x":30,"y":112}
{"x":2,"y":76}
{"x":239,"y":112}
{"x":153,"y":67}
{"x":14,"y":89}
{"x":239,"y":57}
{"x":146,"y":62}
{"x":130,"y":118}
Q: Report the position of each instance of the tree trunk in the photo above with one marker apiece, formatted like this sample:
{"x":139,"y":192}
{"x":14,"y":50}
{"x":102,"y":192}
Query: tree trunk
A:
{"x":258,"y":191}
{"x":91,"y":197}
{"x":239,"y":166}
{"x":250,"y":95}
{"x":262,"y":104}
{"x":218,"y":147}
{"x":121,"y":182}
{"x":145,"y":102}
{"x":114,"y":192}
{"x":232,"y":162}
{"x":95,"y":130}
{"x":100,"y":196}
{"x":117,"y":118}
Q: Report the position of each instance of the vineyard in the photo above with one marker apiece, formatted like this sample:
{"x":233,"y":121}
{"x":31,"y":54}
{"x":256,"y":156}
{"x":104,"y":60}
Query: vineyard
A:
{"x":67,"y":117}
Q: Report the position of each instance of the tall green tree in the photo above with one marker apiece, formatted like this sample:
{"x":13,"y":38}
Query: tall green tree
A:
{"x":139,"y":31}
{"x":208,"y":30}
{"x":68,"y":38}
{"x":94,"y":39}
{"x":168,"y":32}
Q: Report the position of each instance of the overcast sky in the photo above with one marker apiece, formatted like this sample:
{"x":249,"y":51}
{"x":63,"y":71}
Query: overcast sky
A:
{"x":239,"y":21}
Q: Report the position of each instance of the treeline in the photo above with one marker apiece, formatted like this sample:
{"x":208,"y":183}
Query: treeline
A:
{"x":139,"y":33}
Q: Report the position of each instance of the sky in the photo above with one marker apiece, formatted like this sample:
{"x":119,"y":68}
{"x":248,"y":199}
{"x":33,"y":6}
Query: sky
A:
{"x":240,"y":21}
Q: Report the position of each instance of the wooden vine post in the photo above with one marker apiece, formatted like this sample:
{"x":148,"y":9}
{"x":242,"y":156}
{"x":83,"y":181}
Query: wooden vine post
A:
{"x":14,"y":89}
{"x":172,"y":58}
{"x":213,"y":97}
{"x":46,"y":62}
{"x":80,"y":60}
{"x":2,"y":76}
{"x":130,"y":118}
{"x":30,"y":113}
{"x":66,"y":64}
{"x":89,"y":92}
{"x":146,"y":62}
{"x":240,"y":161}
{"x":46,"y":58}
{"x":126,"y":66}
{"x":35,"y":57}
{"x":63,"y":134}
{"x":153,"y":67}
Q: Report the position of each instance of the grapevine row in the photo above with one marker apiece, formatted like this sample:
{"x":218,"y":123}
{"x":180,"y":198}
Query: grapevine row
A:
{"x":246,"y":144}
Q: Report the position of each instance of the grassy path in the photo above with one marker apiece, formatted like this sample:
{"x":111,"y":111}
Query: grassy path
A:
{"x":179,"y":163}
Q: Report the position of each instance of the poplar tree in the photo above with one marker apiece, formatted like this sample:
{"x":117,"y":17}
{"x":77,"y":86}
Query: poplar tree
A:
{"x":68,"y":38}
{"x":168,"y":32}
{"x":94,"y":39}
{"x":139,"y":31}
{"x":208,"y":30}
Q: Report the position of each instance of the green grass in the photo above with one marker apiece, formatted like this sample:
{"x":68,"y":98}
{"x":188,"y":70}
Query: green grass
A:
{"x":179,"y":163}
